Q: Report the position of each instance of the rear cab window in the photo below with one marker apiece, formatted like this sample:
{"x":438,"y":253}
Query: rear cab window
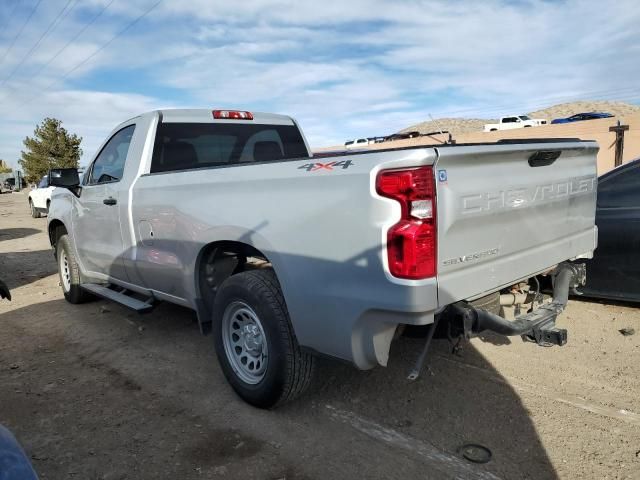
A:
{"x":186,"y":146}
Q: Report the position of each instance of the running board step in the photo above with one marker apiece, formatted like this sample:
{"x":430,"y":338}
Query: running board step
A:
{"x":119,"y":297}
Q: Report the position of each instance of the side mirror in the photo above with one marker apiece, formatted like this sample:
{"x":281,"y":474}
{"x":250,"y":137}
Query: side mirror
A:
{"x":64,"y":177}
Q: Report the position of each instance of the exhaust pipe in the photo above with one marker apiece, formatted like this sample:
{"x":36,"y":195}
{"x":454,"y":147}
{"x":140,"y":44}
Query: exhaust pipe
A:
{"x":510,"y":299}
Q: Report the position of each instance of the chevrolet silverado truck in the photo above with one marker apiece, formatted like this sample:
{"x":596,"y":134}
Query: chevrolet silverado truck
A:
{"x":514,"y":121}
{"x":284,"y":256}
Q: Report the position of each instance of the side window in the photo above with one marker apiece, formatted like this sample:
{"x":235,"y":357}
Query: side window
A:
{"x":109,"y":164}
{"x":620,"y":190}
{"x":44,"y":183}
{"x":509,"y":120}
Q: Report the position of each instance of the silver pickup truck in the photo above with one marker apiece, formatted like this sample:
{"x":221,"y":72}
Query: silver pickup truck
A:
{"x":284,"y":255}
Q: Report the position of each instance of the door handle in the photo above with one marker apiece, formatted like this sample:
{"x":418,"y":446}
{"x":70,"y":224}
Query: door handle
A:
{"x":109,"y":201}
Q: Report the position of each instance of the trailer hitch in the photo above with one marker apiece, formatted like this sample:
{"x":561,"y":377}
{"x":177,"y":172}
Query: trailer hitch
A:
{"x":539,"y":325}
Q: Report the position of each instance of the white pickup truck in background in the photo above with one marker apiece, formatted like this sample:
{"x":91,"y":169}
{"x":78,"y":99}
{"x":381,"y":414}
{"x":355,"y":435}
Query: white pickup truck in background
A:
{"x":357,"y":143}
{"x":284,"y":255}
{"x":514,"y":121}
{"x":40,"y":198}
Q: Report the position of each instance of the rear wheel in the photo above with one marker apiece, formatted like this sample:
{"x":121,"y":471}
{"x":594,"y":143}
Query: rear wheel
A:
{"x":48,"y":206}
{"x":34,"y":212}
{"x":69,"y":272}
{"x":255,"y":343}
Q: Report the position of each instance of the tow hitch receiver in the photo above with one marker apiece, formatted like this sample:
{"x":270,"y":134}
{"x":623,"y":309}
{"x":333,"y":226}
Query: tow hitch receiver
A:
{"x":546,"y":332}
{"x":539,"y":325}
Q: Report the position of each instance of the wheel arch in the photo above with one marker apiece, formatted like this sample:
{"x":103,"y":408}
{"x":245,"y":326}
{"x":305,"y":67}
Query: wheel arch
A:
{"x":56,"y":229}
{"x":217,"y":261}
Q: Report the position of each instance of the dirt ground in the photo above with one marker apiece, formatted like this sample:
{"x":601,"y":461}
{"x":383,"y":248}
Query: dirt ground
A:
{"x":95,"y":391}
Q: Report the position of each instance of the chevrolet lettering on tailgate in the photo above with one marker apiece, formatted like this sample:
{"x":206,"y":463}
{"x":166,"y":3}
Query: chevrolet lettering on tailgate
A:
{"x":526,"y":196}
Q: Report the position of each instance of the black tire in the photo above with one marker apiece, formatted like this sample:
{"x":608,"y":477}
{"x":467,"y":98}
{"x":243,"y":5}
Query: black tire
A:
{"x":48,"y":206}
{"x":75,"y":294}
{"x":289,"y":370}
{"x":34,"y":212}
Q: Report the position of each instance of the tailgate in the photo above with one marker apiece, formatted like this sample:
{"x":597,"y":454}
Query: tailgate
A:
{"x":506,"y":212}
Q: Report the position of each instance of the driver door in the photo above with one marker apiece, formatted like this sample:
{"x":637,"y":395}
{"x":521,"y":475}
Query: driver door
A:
{"x":97,"y":232}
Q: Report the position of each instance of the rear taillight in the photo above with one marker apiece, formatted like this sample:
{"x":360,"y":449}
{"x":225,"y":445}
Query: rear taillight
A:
{"x":411,"y":243}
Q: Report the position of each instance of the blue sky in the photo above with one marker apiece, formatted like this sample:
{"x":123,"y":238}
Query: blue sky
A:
{"x":343,"y":69}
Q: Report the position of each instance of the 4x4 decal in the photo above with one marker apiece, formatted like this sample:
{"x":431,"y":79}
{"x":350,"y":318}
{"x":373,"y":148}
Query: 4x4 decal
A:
{"x":314,"y":167}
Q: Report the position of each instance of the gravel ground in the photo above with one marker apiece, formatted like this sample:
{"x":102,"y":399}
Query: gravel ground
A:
{"x":95,"y":391}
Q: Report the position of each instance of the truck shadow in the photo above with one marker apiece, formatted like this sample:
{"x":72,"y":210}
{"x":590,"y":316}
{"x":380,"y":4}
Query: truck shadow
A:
{"x":23,"y":268}
{"x":15,"y":233}
{"x":458,"y":399}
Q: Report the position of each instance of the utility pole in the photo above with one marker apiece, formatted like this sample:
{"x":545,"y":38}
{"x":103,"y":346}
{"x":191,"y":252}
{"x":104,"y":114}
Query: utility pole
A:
{"x":18,"y":177}
{"x":619,"y":131}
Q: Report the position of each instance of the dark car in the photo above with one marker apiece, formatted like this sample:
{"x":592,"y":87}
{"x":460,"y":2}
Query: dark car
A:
{"x":614,"y":271}
{"x":10,"y":183}
{"x":579,"y":117}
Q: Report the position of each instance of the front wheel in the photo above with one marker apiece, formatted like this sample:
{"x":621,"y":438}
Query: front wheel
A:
{"x":34,"y":212}
{"x":69,"y":272}
{"x":255,"y":343}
